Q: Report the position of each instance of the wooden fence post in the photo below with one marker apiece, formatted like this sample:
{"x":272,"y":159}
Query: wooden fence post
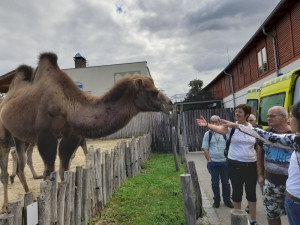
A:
{"x":78,"y":195}
{"x":68,"y":204}
{"x":44,"y":203}
{"x":7,"y":219}
{"x":15,"y":208}
{"x":61,"y":202}
{"x":239,"y":217}
{"x":174,"y":141}
{"x":53,"y":178}
{"x":197,"y":190}
{"x":189,"y":208}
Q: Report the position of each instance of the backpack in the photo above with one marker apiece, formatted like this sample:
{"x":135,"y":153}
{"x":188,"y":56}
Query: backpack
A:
{"x":228,"y":143}
{"x":210,"y":133}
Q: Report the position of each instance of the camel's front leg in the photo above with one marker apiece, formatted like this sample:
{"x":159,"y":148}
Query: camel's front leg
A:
{"x":4,"y":152}
{"x":47,"y":146}
{"x":67,"y":147}
{"x":21,"y":150}
{"x":29,"y":151}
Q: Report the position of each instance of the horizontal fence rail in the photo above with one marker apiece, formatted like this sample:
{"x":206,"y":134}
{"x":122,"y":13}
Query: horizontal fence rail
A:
{"x":84,"y":192}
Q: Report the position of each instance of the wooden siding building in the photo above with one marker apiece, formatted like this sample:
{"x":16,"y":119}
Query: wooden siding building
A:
{"x":272,"y":50}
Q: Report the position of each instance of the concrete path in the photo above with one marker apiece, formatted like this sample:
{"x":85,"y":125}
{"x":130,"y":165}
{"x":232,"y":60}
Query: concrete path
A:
{"x":222,"y":215}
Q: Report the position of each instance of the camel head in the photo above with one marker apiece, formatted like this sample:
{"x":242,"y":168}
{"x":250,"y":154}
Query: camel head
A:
{"x":148,"y":97}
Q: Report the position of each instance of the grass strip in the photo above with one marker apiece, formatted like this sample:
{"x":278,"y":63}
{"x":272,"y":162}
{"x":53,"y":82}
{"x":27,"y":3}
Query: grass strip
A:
{"x":152,"y":197}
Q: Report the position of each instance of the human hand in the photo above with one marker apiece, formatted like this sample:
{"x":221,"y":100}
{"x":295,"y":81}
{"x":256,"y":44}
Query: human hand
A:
{"x":201,"y":122}
{"x":261,"y":180}
{"x":227,"y":123}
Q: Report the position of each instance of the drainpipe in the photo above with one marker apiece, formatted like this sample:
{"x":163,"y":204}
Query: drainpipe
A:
{"x":232,"y":89}
{"x":274,"y":48}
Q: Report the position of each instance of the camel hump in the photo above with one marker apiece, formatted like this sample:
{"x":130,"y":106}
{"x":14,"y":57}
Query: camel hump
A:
{"x":49,"y":56}
{"x":26,"y":71}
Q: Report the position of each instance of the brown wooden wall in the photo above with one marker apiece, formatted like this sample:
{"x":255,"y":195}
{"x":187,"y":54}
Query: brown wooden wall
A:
{"x":245,"y":69}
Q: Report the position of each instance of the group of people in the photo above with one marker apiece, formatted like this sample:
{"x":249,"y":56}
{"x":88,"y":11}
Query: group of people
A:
{"x":250,"y":161}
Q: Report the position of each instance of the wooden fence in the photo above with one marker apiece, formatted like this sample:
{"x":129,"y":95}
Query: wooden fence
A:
{"x":194,"y":133}
{"x":157,"y":124}
{"x":83,"y":194}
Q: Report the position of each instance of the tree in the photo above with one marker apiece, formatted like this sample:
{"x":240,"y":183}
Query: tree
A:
{"x":195,"y":92}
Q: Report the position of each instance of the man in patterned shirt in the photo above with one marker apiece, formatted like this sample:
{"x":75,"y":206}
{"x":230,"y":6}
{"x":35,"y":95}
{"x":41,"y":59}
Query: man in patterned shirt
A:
{"x":272,"y":166}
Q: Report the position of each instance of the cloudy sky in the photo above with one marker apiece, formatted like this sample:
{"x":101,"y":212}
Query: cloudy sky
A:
{"x":180,"y":40}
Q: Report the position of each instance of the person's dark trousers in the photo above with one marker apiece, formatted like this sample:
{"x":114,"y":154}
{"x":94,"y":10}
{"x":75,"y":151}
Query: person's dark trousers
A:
{"x":219,"y":170}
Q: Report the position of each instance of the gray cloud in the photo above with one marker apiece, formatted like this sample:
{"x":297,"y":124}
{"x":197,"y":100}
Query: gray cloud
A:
{"x":180,"y":40}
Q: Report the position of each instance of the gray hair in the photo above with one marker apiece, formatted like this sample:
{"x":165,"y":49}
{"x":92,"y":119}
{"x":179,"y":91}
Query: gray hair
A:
{"x":215,"y":117}
{"x":281,"y":110}
{"x":253,"y":117}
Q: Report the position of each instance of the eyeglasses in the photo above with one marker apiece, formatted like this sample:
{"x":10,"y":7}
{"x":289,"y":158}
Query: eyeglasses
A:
{"x":216,"y":121}
{"x":272,"y":116}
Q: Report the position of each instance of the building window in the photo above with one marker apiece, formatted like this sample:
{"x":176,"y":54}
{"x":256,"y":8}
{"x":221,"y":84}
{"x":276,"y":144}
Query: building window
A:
{"x":262,"y":61}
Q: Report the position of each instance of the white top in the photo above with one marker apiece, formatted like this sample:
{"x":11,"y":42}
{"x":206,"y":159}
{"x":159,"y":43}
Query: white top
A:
{"x":293,"y":182}
{"x":242,"y":146}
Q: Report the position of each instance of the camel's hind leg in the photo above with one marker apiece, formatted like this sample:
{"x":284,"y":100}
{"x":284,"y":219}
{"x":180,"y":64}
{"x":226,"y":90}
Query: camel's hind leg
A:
{"x":14,"y":156}
{"x":21,"y":150}
{"x":4,"y":152}
{"x":68,"y":145}
{"x":83,"y":146}
{"x":29,"y":151}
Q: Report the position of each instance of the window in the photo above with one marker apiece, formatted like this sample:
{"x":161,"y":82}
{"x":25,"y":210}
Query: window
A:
{"x":254,"y":104}
{"x":266,"y":103}
{"x":296,"y":96}
{"x":262,"y":61}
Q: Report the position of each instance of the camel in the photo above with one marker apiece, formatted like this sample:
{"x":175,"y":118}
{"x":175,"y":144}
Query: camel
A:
{"x":53,"y":106}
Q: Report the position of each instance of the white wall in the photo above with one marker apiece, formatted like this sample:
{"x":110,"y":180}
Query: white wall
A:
{"x":241,"y":96}
{"x":99,"y":79}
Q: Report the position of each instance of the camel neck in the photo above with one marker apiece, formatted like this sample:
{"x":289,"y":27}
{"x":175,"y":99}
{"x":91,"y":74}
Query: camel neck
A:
{"x":100,"y":118}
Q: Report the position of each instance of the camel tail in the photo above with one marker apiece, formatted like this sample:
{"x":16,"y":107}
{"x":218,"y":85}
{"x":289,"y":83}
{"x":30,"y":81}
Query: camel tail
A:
{"x":26,"y":70}
{"x":52,"y":57}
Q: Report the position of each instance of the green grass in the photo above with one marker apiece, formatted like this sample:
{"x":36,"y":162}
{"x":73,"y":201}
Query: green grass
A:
{"x":152,"y":197}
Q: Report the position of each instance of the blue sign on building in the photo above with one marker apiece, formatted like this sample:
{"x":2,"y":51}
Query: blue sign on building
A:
{"x":80,"y":85}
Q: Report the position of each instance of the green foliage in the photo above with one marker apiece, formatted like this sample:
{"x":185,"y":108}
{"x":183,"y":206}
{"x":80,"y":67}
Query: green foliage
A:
{"x":194,"y":93}
{"x":152,"y":197}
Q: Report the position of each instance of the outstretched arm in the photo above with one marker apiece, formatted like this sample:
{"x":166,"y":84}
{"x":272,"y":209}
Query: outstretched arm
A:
{"x":283,"y":141}
{"x":219,"y":129}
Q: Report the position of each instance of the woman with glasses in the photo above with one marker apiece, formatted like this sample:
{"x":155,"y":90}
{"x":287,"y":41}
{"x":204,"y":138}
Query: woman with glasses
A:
{"x":292,"y":199}
{"x":241,"y":160}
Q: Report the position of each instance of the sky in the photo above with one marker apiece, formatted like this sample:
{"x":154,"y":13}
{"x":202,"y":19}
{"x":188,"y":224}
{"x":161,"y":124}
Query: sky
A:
{"x":180,"y":40}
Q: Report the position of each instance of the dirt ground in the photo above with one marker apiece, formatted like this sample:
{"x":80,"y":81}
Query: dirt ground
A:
{"x":16,"y":190}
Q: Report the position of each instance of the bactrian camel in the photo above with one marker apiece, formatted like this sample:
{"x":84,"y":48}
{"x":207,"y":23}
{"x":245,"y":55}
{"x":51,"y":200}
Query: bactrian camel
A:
{"x":53,"y":106}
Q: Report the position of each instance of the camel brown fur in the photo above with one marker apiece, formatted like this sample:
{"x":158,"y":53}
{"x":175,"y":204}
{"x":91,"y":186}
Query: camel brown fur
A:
{"x":54,"y":106}
{"x":21,"y":79}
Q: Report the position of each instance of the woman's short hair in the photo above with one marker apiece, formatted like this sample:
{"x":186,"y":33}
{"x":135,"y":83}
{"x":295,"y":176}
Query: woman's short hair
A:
{"x":296,"y":110}
{"x":246,"y":108}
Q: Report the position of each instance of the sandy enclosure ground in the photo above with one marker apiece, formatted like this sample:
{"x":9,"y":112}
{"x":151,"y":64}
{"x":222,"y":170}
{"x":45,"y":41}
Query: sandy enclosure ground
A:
{"x":16,"y":190}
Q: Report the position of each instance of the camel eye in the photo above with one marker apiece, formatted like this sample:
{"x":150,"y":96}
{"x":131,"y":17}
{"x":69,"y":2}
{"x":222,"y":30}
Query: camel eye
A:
{"x":154,"y":93}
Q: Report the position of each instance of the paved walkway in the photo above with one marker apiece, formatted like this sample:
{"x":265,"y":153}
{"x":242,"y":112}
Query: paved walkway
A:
{"x":221,"y":216}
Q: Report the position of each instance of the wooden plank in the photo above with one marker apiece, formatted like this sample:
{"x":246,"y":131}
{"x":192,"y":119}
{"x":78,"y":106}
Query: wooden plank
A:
{"x":53,"y":178}
{"x":78,"y":194}
{"x":44,"y":203}
{"x":67,"y":210}
{"x":197,"y":190}
{"x":189,"y":208}
{"x":15,"y":208}
{"x":61,"y":202}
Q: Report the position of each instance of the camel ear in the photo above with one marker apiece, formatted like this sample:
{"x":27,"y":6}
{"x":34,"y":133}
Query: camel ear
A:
{"x":138,"y":83}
